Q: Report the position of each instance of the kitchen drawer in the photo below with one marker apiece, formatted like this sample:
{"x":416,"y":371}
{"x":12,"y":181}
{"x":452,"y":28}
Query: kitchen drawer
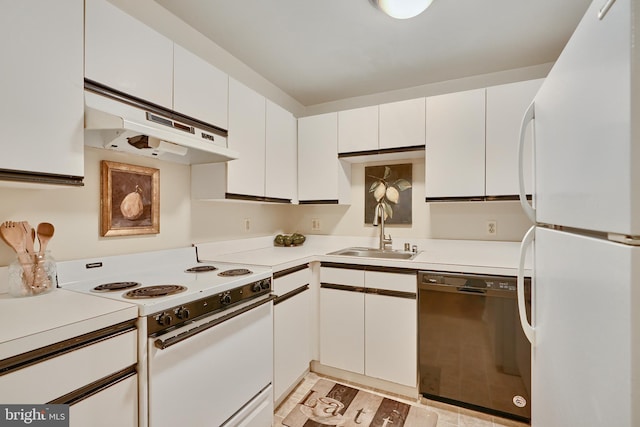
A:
{"x":342,"y":276}
{"x":391,"y":281}
{"x":291,"y":281}
{"x":54,"y":377}
{"x":98,"y":409}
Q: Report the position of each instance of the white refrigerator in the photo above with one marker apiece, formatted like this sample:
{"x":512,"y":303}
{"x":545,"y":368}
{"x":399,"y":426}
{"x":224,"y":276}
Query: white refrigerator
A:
{"x":585,"y":322}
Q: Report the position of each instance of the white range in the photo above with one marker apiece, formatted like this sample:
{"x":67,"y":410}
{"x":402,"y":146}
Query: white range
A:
{"x":205,"y":333}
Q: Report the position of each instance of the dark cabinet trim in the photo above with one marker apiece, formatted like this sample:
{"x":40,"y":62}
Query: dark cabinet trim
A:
{"x":41,"y":178}
{"x":235,"y":196}
{"x":319,"y":202}
{"x":282,"y":273}
{"x":291,"y":294}
{"x":38,"y":355}
{"x":475,"y":198}
{"x":374,"y":291}
{"x":382,"y":151}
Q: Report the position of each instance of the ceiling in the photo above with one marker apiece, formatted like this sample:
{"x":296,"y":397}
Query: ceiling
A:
{"x":328,"y":50}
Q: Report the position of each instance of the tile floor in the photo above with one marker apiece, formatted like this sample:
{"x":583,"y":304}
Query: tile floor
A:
{"x":448,"y":415}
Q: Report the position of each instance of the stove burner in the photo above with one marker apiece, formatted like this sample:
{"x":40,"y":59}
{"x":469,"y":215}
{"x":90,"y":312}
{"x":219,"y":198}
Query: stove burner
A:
{"x":116,"y":286}
{"x":154,"y":291}
{"x":200,"y":268}
{"x":235,"y":272}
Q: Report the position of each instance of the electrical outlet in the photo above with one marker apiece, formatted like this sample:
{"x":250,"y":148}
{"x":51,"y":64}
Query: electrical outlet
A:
{"x":492,"y":227}
{"x":315,"y":224}
{"x":247,"y":224}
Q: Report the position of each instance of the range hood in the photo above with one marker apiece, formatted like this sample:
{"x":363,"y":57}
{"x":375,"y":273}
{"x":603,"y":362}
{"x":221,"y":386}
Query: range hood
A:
{"x":115,"y":121}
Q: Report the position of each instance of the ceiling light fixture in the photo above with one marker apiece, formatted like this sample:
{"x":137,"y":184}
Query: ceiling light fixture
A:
{"x":402,"y":9}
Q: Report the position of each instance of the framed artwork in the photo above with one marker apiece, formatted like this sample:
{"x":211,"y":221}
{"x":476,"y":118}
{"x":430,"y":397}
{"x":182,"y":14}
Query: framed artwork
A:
{"x":389,"y":186}
{"x":129,"y":199}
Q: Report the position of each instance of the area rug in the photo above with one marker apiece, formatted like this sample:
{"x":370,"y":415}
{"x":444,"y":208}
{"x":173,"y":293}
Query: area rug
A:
{"x":333,"y":404}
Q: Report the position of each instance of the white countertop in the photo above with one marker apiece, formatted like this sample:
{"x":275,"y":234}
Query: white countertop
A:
{"x":33,"y":322}
{"x":470,"y":256}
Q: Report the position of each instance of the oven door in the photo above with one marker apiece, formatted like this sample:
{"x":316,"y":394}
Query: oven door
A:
{"x":215,"y":370}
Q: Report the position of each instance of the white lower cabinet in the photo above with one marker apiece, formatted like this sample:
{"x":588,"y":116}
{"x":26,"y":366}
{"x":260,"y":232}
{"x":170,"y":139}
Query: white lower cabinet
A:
{"x":390,"y":327}
{"x":293,"y":333}
{"x":116,"y":405}
{"x":342,"y":329}
{"x":368,"y":322}
{"x":95,"y":374}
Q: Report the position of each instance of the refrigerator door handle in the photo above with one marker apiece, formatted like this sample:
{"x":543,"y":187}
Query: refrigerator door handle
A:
{"x":529,"y":115}
{"x":605,"y":9}
{"x":529,"y":331}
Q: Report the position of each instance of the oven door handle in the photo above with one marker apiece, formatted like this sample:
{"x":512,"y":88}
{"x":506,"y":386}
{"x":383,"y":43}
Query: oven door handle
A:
{"x":166,"y":343}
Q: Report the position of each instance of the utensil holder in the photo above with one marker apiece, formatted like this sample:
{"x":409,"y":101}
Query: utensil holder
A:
{"x":31,"y":275}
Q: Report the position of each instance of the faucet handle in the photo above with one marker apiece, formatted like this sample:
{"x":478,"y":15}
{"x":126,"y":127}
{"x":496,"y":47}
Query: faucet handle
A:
{"x":387,"y":241}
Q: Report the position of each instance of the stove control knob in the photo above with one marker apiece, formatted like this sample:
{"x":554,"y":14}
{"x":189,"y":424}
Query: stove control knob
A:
{"x":183,"y":313}
{"x":256,"y":287}
{"x":266,"y":284}
{"x":225,"y":299}
{"x":165,"y":319}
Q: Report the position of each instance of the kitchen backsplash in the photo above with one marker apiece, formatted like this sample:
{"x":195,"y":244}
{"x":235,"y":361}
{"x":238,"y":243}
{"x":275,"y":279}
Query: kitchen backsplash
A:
{"x":75,"y":213}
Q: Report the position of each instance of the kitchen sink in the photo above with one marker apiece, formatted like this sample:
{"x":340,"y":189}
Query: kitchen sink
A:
{"x":375,"y":253}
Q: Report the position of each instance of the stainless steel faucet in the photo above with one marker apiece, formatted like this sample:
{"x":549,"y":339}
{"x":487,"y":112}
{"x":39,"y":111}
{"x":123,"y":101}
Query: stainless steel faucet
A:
{"x":378,"y":218}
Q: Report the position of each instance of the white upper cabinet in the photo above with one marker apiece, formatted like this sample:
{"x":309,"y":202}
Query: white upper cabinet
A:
{"x":126,"y":55}
{"x":247,"y":115}
{"x":200,"y":90}
{"x":395,"y":125}
{"x":455,"y":146}
{"x":42,"y":91}
{"x":281,"y":150}
{"x":322,"y":178}
{"x":472,"y":142}
{"x":265,"y":136}
{"x":358,"y":129}
{"x":506,"y":105}
{"x":402,"y":124}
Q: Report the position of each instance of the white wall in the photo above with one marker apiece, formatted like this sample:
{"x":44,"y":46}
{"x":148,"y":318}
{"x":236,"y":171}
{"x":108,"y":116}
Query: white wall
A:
{"x":75,"y":212}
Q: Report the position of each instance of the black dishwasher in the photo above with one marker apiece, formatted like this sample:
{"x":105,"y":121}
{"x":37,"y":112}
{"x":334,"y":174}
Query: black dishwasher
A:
{"x":472,"y":350}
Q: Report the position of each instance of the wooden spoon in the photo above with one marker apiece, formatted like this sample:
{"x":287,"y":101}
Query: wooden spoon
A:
{"x":13,"y":234}
{"x":45,"y":233}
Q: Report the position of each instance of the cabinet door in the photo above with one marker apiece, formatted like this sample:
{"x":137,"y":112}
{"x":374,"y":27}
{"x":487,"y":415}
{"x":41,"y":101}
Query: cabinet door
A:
{"x":318,"y":166}
{"x":390,"y":339}
{"x":42,"y":104}
{"x":402,"y":124}
{"x":342,"y":329}
{"x":281,"y":162}
{"x":455,"y":148}
{"x":124,"y":54}
{"x":506,"y":105}
{"x":391,"y":328}
{"x":292,"y":334}
{"x":358,"y":129}
{"x":247,"y":136}
{"x":200,"y":90}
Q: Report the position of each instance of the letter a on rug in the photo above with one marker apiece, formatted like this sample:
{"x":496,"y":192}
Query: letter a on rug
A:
{"x":332,"y":404}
